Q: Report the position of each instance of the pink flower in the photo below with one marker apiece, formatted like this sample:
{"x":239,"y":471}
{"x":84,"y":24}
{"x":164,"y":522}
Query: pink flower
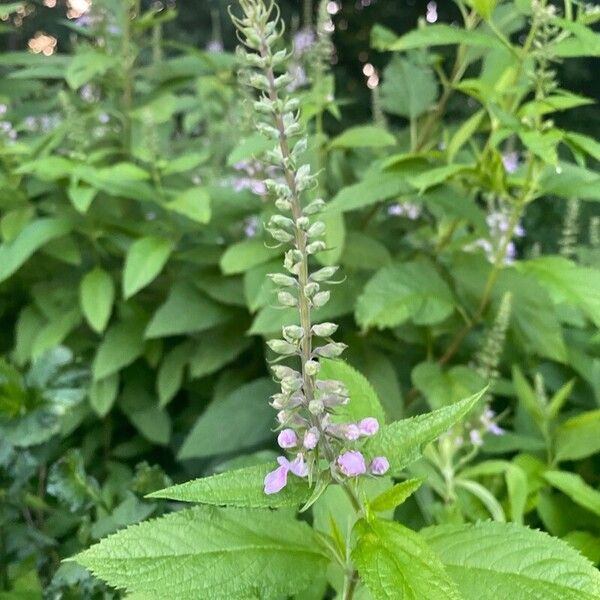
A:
{"x":351,"y":432}
{"x":311,"y":438}
{"x":379,"y":465}
{"x":368,"y":426}
{"x":287,"y":438}
{"x":352,"y":463}
{"x":276,"y":480}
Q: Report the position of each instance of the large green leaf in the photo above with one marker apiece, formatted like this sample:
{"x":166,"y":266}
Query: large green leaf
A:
{"x":399,"y":292}
{"x":239,"y":421}
{"x":87,"y":65}
{"x":372,"y":189}
{"x":122,"y":344}
{"x":579,"y":436}
{"x":246,"y":254}
{"x":193,"y":203}
{"x":576,"y":488}
{"x":206,"y":553}
{"x":409,"y":88}
{"x":396,"y":564}
{"x":402,"y":442}
{"x":489,"y":561}
{"x":31,"y":238}
{"x":185,"y":311}
{"x":96,"y":296}
{"x":242,"y":488}
{"x":146,"y":258}
{"x":363,"y":398}
{"x":362,"y":137}
{"x":442,"y":35}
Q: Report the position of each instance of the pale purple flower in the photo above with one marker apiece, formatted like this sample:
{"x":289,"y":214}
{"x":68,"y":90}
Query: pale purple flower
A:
{"x":276,"y":480}
{"x":287,"y":438}
{"x":299,"y":77}
{"x":510,"y":160}
{"x":103,"y":118}
{"x":351,"y":432}
{"x":3,"y":108}
{"x":303,"y":41}
{"x":476,"y":438}
{"x":406,"y":209}
{"x":214,"y":46}
{"x":368,"y":426}
{"x":379,"y":465}
{"x":352,"y":463}
{"x":495,"y":429}
{"x":251,"y":226}
{"x":311,"y":438}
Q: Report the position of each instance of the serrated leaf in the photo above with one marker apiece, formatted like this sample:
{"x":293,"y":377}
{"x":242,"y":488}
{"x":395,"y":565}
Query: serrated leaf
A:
{"x":363,"y":398}
{"x":402,"y":442}
{"x":241,"y":488}
{"x":576,"y":488}
{"x":400,"y":292}
{"x":145,"y":259}
{"x":395,"y":496}
{"x":514,"y":562}
{"x":206,"y":553}
{"x":396,"y":563}
{"x":96,"y":297}
{"x":363,"y":136}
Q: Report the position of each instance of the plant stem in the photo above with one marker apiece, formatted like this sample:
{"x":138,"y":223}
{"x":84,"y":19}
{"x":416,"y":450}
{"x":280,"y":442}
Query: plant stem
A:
{"x":350,"y":585}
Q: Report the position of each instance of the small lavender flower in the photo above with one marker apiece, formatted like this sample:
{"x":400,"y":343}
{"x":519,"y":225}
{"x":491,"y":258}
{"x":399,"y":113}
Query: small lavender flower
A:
{"x":352,"y":463}
{"x":214,"y":46}
{"x":311,"y":438}
{"x":303,"y":41}
{"x":406,"y":209}
{"x":298,"y":77}
{"x":251,"y":226}
{"x":475,"y":438}
{"x":379,"y":465}
{"x":510,"y":160}
{"x":368,"y":426}
{"x":287,"y":438}
{"x":276,"y":480}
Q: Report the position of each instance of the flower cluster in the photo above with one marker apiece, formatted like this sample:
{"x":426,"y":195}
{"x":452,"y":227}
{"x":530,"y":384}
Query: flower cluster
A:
{"x":321,"y":446}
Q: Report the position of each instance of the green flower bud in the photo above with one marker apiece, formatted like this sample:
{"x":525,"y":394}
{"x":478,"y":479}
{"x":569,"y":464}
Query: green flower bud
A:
{"x":316,"y":229}
{"x":280,"y":235}
{"x":314,"y":207}
{"x":324,"y":329}
{"x":331,"y":350}
{"x":316,"y":407}
{"x":315,"y":247}
{"x":283,"y":204}
{"x":282,"y":347}
{"x":286,"y":299}
{"x":321,"y":299}
{"x":282,"y":280}
{"x":311,"y":289}
{"x":281,"y":221}
{"x":293,"y":332}
{"x":282,"y":371}
{"x":312,"y":367}
{"x":302,"y":223}
{"x":324,"y":274}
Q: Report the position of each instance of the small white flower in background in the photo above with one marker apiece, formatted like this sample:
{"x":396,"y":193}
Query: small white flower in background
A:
{"x":299,"y":77}
{"x":3,"y":109}
{"x":103,"y":118}
{"x":432,"y":15}
{"x":510,"y":160}
{"x":303,"y":41}
{"x":251,"y":226}
{"x":406,"y":209}
{"x":214,"y":46}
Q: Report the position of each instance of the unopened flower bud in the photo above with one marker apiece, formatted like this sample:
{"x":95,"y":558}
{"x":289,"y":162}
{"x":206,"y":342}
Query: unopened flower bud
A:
{"x":352,"y":463}
{"x":282,"y":371}
{"x":379,"y":465}
{"x":316,"y":229}
{"x":310,"y":289}
{"x":280,"y":235}
{"x":324,"y":329}
{"x":311,"y":438}
{"x":293,"y":332}
{"x":287,"y":438}
{"x":281,"y":221}
{"x":311,"y":367}
{"x":283,"y":204}
{"x":282,"y":347}
{"x":321,"y":299}
{"x":282,"y":280}
{"x":316,"y":407}
{"x":324,"y":274}
{"x":331,"y":350}
{"x":331,"y":386}
{"x":286,"y":299}
{"x":315,"y":247}
{"x":278,"y":401}
{"x":303,"y":223}
{"x":291,"y":384}
{"x":314,"y":207}
{"x":368,"y":426}
{"x":351,"y":432}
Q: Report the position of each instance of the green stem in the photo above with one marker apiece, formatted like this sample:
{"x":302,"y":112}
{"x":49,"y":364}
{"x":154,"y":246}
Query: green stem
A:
{"x":350,"y":585}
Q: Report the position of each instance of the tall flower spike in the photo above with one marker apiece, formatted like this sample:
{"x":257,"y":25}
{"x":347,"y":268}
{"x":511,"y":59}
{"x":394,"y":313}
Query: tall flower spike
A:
{"x":306,"y":405}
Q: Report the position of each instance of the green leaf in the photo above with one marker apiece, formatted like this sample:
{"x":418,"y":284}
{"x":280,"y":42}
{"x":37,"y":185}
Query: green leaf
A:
{"x":575,"y":488}
{"x":579,"y":436}
{"x":436,"y":176}
{"x":409,"y":88}
{"x":364,"y":136}
{"x":81,"y":196}
{"x":209,"y":553}
{"x":141,"y":410}
{"x":55,"y":331}
{"x":567,"y":282}
{"x":87,"y":65}
{"x":442,"y":35}
{"x":402,"y":442}
{"x":513,"y":561}
{"x":186,"y":310}
{"x":396,"y":495}
{"x":246,"y":254}
{"x":584,"y":143}
{"x":30,"y":239}
{"x":399,"y":292}
{"x":372,"y":189}
{"x":587,"y":543}
{"x":145,"y":259}
{"x":122,"y":344}
{"x":171,"y":372}
{"x":103,"y":393}
{"x":464,"y":133}
{"x":484,"y":495}
{"x":69,"y":483}
{"x":396,"y":563}
{"x":193,"y":203}
{"x":334,"y":238}
{"x":241,"y":488}
{"x":237,"y":422}
{"x":484,"y":7}
{"x":364,"y":401}
{"x":96,"y":297}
